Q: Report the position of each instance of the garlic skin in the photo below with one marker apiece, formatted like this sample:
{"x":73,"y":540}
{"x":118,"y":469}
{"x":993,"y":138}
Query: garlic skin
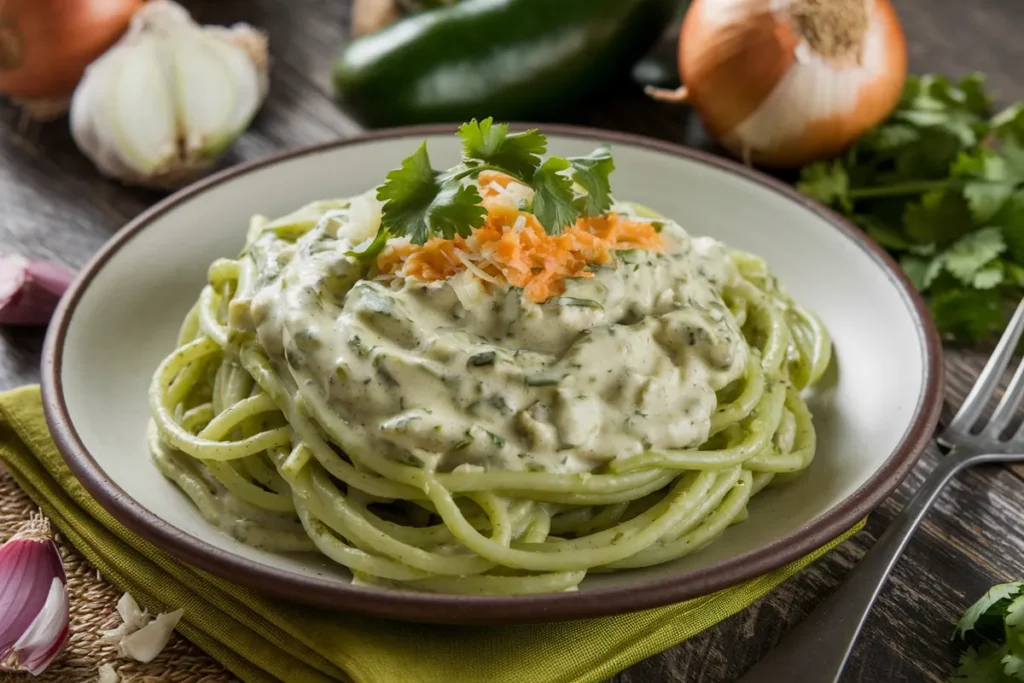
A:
{"x":140,"y":636}
{"x":168,"y":98}
{"x":34,"y":611}
{"x":108,"y":674}
{"x":786,"y":82}
{"x":146,"y":643}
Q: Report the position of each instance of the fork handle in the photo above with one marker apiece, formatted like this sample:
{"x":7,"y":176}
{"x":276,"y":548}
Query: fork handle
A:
{"x":816,"y":650}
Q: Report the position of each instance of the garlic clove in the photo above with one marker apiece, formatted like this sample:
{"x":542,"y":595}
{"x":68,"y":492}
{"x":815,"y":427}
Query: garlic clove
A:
{"x":205,"y":95}
{"x":30,"y":289}
{"x":33,"y":599}
{"x":47,"y":633}
{"x":147,"y":142}
{"x":146,"y":643}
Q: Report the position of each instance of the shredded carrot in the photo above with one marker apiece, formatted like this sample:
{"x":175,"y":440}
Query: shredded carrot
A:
{"x":512,"y":246}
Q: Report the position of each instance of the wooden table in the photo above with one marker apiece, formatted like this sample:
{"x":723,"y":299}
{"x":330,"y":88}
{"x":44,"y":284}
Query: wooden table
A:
{"x":53,"y":204}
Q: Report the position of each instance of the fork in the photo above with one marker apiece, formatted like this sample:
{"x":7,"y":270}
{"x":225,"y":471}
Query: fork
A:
{"x":817,"y":649}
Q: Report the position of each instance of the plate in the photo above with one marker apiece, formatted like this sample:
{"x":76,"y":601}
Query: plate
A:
{"x":874,"y":415}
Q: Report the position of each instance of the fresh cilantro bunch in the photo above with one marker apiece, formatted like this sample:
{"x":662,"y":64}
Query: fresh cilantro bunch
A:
{"x":940,"y":184}
{"x":421,"y":202}
{"x":992,"y":629}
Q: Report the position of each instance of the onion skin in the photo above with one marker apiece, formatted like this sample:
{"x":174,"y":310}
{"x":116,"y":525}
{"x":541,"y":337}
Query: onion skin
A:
{"x":45,"y":45}
{"x":731,"y":68}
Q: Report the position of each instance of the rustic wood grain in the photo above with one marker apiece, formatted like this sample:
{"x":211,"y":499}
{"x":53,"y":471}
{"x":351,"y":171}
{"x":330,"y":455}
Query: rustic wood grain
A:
{"x":54,"y":205}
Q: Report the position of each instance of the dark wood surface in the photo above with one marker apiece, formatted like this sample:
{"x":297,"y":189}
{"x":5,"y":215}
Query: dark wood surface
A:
{"x":54,"y":205}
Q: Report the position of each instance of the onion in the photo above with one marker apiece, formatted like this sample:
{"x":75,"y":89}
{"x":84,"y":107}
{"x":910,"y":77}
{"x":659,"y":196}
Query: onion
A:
{"x":45,"y":46}
{"x":786,"y":82}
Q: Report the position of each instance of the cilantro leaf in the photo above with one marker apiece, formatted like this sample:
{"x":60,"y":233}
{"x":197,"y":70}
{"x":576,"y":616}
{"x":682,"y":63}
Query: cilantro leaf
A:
{"x":973,"y":252}
{"x":456,"y":210}
{"x":988,"y":277}
{"x":969,"y":315}
{"x":940,"y":217}
{"x":418,"y":203}
{"x":1013,"y":665}
{"x":407,"y":196}
{"x":592,"y":172}
{"x":828,"y":182}
{"x":1011,"y":219}
{"x":917,"y":269}
{"x":982,"y":665}
{"x":491,"y":144}
{"x":988,"y":610}
{"x":1015,"y":611}
{"x":993,"y":181}
{"x":553,"y":196}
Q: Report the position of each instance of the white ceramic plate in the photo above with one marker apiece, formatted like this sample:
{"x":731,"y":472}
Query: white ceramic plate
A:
{"x":873,"y":418}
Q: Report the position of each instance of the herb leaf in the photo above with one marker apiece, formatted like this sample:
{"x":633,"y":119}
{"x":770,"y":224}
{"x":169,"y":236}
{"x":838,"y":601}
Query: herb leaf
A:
{"x":990,"y":629}
{"x":592,"y":172}
{"x":490,"y":143}
{"x":940,"y":184}
{"x":553,"y":196}
{"x":418,"y":203}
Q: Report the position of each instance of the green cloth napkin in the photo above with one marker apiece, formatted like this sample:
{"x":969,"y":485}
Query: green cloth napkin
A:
{"x":262,"y":640}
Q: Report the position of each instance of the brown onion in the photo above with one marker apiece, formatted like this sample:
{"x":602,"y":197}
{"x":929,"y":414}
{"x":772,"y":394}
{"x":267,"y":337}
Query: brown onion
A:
{"x":45,"y":46}
{"x":786,"y":82}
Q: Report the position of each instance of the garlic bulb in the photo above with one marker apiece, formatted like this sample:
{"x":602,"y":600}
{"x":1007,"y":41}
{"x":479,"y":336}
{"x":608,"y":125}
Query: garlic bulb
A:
{"x":169,"y":97}
{"x":786,"y":82}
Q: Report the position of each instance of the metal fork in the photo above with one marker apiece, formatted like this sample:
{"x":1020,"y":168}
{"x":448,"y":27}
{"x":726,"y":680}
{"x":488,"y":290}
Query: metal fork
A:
{"x":817,"y":649}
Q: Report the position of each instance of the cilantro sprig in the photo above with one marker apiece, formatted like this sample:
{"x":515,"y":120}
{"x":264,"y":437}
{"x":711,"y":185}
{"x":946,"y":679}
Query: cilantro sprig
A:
{"x":421,"y":202}
{"x":992,"y":630}
{"x":940,"y":184}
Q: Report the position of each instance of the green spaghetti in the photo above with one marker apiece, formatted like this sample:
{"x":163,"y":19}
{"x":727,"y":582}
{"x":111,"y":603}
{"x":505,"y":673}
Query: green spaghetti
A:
{"x":441,"y":417}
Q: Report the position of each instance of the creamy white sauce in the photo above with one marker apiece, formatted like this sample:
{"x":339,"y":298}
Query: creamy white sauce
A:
{"x":463,"y":373}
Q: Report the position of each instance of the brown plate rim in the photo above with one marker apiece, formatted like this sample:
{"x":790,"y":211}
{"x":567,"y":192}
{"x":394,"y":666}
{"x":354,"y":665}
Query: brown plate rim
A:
{"x":444,"y":608}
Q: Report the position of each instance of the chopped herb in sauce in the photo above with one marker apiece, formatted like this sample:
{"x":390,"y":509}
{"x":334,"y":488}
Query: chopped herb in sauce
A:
{"x":479,"y":359}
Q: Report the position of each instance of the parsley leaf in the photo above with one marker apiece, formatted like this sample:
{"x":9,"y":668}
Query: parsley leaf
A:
{"x":592,"y":172}
{"x":553,"y":196}
{"x":518,"y":154}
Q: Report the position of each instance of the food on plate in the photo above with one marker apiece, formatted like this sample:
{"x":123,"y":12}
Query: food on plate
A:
{"x":490,"y":379}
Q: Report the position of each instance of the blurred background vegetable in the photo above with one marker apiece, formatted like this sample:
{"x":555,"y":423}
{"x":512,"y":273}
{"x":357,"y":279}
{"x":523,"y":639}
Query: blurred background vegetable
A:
{"x":161,"y":105}
{"x":940,"y":185}
{"x":45,"y":46}
{"x":511,"y":59}
{"x":786,"y":83}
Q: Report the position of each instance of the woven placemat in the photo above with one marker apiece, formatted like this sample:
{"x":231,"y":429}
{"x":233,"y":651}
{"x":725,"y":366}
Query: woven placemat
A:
{"x":93,"y":604}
